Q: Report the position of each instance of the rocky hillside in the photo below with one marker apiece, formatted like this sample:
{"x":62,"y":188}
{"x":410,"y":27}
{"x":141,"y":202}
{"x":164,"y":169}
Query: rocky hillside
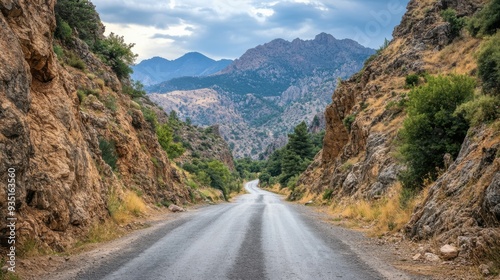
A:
{"x":157,"y":69}
{"x":81,"y":150}
{"x":360,"y":159}
{"x":262,"y":95}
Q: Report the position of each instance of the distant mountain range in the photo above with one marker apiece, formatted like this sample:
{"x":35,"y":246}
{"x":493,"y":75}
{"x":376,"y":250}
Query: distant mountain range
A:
{"x":157,"y":69}
{"x":271,"y":88}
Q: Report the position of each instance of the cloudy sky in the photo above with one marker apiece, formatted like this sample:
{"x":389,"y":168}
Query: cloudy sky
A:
{"x":226,"y":29}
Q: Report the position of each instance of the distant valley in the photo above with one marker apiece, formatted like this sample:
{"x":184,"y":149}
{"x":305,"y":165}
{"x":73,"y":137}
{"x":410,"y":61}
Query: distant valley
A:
{"x":258,"y":98}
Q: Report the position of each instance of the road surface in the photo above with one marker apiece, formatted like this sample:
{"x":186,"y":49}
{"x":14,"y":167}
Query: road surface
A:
{"x":256,"y":237}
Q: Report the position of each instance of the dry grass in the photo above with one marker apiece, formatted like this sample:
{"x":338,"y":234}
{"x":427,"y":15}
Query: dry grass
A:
{"x":31,"y":247}
{"x":381,"y":216}
{"x":211,"y":194}
{"x":123,"y":210}
{"x":101,"y":232}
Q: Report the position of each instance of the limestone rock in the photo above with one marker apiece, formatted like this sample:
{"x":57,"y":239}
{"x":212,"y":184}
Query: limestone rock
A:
{"x":174,"y":208}
{"x":431,"y":257}
{"x":448,"y":252}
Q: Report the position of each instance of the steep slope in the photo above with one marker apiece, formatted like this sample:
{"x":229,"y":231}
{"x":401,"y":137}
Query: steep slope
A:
{"x":359,"y":156}
{"x":269,"y":90}
{"x":157,"y":69}
{"x":76,"y":144}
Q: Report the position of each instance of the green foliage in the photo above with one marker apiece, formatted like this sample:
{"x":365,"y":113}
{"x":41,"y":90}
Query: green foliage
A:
{"x":80,"y":15}
{"x":150,"y":116}
{"x":58,"y":51}
{"x":108,"y":152}
{"x":63,"y":30}
{"x":486,"y":21}
{"x":117,"y":54}
{"x":264,"y":178}
{"x":290,"y":161}
{"x":489,"y":65}
{"x":247,"y":168}
{"x":203,"y":178}
{"x":482,"y":109}
{"x":134,"y":89}
{"x":81,"y":95}
{"x":432,"y":129}
{"x":74,"y":61}
{"x":348,"y":121}
{"x":327,"y":194}
{"x":165,"y":138}
{"x":110,"y":103}
{"x":456,"y":23}
{"x":412,"y":80}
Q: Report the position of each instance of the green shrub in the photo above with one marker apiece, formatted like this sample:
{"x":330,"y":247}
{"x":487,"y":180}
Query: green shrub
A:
{"x":59,"y":52}
{"x":456,"y":23}
{"x":117,"y":54}
{"x":486,"y":21}
{"x":327,"y":194}
{"x":81,"y":95}
{"x":489,"y":65}
{"x":412,"y":80}
{"x":110,"y":103}
{"x":150,"y":116}
{"x":134,"y":90}
{"x":348,"y":121}
{"x":432,"y":129}
{"x":74,"y":61}
{"x":63,"y":30}
{"x":165,"y":138}
{"x":482,"y":109}
{"x":108,"y":152}
{"x":80,"y":15}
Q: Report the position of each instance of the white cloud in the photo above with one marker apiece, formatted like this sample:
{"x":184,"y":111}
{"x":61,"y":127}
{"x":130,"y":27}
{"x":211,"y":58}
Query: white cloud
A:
{"x":227,"y":28}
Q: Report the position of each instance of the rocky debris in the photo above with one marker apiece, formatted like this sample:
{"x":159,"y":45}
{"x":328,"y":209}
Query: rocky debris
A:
{"x":416,"y":257}
{"x":448,"y":252}
{"x":485,"y":269}
{"x":174,"y":208}
{"x":431,"y":257}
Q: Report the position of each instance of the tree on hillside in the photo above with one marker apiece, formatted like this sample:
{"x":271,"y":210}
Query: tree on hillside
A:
{"x":79,"y":15}
{"x":431,"y":129}
{"x":299,"y":142}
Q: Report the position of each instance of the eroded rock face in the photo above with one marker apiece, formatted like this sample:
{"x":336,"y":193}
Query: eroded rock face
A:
{"x":52,"y":140}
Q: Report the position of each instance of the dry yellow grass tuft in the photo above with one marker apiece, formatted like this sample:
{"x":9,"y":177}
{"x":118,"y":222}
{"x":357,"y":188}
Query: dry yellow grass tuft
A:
{"x":387,"y":215}
{"x":124,"y":210}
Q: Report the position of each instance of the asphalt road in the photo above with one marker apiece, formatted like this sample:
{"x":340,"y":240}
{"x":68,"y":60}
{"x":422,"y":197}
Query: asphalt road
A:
{"x":256,"y":237}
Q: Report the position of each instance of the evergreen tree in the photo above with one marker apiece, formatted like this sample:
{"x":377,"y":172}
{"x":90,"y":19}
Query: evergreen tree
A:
{"x":300,"y":142}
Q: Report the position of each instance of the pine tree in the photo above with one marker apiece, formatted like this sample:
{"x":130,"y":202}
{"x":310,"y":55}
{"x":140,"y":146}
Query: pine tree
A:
{"x":300,"y":142}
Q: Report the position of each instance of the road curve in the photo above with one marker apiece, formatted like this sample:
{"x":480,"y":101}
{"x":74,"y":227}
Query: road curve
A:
{"x":256,"y":237}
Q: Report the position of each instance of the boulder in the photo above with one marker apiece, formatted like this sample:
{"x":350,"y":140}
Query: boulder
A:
{"x":448,"y":252}
{"x":431,"y":257}
{"x":174,"y":208}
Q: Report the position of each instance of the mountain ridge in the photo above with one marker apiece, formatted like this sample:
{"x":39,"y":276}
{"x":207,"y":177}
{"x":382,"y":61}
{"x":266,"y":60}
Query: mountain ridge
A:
{"x":267,"y":91}
{"x":158,"y":69}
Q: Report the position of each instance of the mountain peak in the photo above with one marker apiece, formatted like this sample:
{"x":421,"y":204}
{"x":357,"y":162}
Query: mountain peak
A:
{"x":324,"y":38}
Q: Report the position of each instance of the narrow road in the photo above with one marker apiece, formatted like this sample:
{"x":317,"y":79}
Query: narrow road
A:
{"x":256,"y":237}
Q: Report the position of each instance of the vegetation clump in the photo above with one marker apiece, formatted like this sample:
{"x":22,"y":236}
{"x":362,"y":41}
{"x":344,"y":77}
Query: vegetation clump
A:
{"x":456,"y":23}
{"x":108,"y":152}
{"x":431,"y":129}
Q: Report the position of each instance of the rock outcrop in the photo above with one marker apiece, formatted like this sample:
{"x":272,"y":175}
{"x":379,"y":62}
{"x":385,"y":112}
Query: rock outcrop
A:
{"x":51,"y":136}
{"x":358,"y":158}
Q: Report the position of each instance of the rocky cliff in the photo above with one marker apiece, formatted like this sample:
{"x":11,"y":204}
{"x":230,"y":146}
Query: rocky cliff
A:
{"x":359,"y":160}
{"x":74,"y":139}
